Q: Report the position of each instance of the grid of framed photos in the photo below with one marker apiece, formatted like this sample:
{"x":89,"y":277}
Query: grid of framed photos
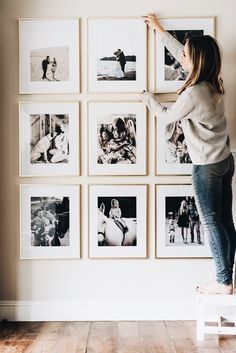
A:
{"x":49,"y":141}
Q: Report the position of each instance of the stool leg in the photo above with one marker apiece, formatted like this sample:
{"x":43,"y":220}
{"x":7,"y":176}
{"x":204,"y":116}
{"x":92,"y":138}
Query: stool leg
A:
{"x":200,"y":330}
{"x":200,"y":322}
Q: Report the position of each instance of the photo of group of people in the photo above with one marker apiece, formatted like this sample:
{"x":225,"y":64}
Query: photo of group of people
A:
{"x":49,"y":138}
{"x":173,"y":69}
{"x":50,"y":221}
{"x":182,"y":224}
{"x":116,"y":139}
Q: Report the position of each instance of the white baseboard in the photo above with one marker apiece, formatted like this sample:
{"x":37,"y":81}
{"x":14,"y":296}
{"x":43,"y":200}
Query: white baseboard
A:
{"x":95,"y":311}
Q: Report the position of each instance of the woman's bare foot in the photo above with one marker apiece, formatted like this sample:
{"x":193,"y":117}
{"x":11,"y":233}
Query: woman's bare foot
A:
{"x":215,"y":288}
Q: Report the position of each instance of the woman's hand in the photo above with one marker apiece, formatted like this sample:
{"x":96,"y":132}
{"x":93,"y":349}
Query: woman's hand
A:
{"x":152,"y":22}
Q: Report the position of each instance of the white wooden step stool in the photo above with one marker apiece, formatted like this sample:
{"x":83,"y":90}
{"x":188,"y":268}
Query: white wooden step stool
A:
{"x":216,"y":314}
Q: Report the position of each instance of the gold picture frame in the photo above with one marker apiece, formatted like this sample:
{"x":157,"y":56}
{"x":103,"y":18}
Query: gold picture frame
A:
{"x":105,"y":245}
{"x":50,"y":225}
{"x":173,"y":164}
{"x":173,"y":239}
{"x":114,"y":83}
{"x":103,"y":110}
{"x":58,"y":38}
{"x":64,"y":147}
{"x":171,"y":83}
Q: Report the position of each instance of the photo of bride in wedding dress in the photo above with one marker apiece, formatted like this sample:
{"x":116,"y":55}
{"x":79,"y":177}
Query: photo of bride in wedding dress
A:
{"x":117,"y":67}
{"x":117,"y":55}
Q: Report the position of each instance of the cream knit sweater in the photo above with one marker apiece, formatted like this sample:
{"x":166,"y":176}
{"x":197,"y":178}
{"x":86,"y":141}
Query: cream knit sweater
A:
{"x":202,"y":117}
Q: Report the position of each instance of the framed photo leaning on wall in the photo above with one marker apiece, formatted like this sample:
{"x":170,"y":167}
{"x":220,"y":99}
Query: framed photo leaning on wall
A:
{"x":50,"y":225}
{"x":172,"y":156}
{"x":117,"y":55}
{"x":49,"y":55}
{"x":169,"y":72}
{"x":179,"y":232}
{"x":117,"y":138}
{"x":117,"y":221}
{"x":49,"y":139}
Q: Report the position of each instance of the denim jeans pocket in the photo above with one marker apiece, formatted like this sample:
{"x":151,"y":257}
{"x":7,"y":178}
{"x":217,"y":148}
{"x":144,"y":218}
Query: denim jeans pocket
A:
{"x":216,"y":169}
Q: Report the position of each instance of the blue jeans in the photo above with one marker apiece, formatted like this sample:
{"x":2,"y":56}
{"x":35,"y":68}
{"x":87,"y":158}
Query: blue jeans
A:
{"x":213,"y":193}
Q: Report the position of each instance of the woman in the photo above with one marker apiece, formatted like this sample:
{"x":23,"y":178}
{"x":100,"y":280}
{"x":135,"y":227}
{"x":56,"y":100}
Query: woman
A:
{"x":120,"y":130}
{"x":60,"y":152}
{"x":104,"y":146}
{"x":54,"y":68}
{"x":183,"y":220}
{"x":121,"y":61}
{"x":200,"y":107}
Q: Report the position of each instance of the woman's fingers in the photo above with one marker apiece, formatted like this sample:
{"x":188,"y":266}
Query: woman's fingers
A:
{"x":145,"y":19}
{"x":151,"y":20}
{"x":149,"y":15}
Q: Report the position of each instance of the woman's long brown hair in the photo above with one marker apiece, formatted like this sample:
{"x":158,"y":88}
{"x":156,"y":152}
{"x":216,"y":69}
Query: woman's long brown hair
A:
{"x":205,"y":56}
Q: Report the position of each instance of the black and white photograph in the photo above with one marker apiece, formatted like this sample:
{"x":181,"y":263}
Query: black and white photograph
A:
{"x":49,"y":64}
{"x":117,"y":66}
{"x":170,"y":75}
{"x":50,"y":221}
{"x":117,"y":220}
{"x":183,"y":226}
{"x":174,"y":157}
{"x":176,"y":147}
{"x":117,"y":139}
{"x":173,"y":69}
{"x":49,"y":138}
{"x":117,"y":55}
{"x":117,"y":135}
{"x":49,"y":55}
{"x":179,"y":231}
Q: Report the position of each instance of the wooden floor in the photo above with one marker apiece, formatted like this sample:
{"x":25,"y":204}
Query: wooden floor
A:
{"x":109,"y":337}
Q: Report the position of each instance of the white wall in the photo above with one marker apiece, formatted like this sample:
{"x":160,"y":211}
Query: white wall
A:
{"x":95,"y":289}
